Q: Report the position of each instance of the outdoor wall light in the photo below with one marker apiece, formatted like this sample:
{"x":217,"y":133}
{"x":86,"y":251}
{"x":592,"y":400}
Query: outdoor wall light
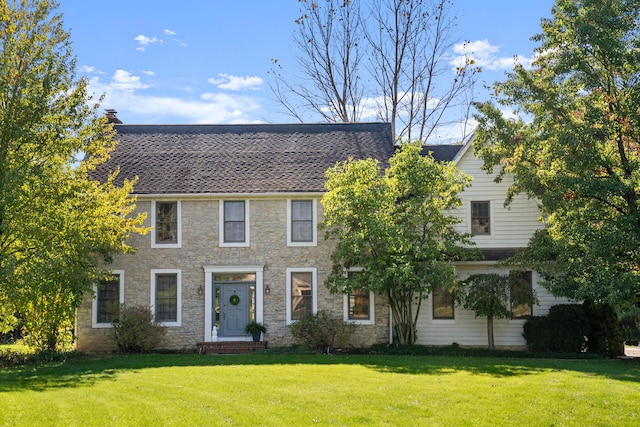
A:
{"x":267,"y":290}
{"x":200,"y":291}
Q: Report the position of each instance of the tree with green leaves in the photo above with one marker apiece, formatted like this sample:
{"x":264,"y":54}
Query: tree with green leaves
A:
{"x":394,"y":226}
{"x":494,"y":296}
{"x":576,"y":148}
{"x":57,"y":225}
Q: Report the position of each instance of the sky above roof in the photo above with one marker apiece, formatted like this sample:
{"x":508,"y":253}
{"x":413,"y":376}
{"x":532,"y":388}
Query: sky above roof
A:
{"x":204,"y":61}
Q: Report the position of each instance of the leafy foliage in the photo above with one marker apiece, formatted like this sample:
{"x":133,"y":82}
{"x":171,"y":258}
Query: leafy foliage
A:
{"x":575,"y":328}
{"x":56,"y":224}
{"x":605,"y":336}
{"x":322,"y":331}
{"x":630,"y":326}
{"x":492,"y":295}
{"x":564,"y":329}
{"x":136,"y":331}
{"x":395,"y":227}
{"x":579,"y":154}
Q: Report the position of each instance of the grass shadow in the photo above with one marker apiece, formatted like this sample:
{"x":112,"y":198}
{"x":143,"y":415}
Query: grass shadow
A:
{"x":85,"y":372}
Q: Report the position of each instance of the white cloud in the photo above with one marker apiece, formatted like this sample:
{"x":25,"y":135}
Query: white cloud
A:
{"x":129,"y":94}
{"x":486,"y":56}
{"x":144,"y":41}
{"x":229,"y":82}
{"x":124,"y":80}
{"x":148,"y":73}
{"x":169,"y":32}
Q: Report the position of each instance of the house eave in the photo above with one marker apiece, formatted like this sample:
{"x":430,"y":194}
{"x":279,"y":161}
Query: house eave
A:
{"x":244,"y":196}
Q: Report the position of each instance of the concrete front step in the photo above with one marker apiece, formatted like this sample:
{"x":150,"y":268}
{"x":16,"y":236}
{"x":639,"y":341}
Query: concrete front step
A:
{"x":230,"y":347}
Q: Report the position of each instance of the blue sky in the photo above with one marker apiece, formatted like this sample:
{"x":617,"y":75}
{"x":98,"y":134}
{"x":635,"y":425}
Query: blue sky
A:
{"x":206,"y":61}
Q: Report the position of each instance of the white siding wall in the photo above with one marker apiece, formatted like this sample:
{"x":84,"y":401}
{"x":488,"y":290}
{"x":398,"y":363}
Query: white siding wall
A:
{"x":512,"y":226}
{"x":467,"y":330}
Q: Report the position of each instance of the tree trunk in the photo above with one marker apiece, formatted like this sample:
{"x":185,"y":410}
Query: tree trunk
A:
{"x":490,"y":332}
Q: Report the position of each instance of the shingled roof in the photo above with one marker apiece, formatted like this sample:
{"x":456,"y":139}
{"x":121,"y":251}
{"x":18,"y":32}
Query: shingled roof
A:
{"x":442,"y":153}
{"x":227,"y":159}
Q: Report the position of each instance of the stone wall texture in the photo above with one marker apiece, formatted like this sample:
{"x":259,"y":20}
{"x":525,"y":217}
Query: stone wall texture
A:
{"x":199,"y":247}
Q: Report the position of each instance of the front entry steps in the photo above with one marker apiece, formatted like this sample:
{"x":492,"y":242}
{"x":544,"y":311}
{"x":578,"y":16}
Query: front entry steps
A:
{"x":230,"y":347}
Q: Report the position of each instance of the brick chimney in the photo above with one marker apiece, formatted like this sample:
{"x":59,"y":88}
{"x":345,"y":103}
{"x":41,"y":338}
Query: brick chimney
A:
{"x":111,"y":116}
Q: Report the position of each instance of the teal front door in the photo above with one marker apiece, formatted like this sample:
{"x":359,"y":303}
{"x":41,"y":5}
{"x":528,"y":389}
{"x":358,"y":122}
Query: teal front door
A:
{"x":235,"y":304}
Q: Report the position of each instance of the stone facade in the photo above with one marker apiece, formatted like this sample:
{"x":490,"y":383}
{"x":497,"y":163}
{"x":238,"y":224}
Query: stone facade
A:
{"x":200,"y":247}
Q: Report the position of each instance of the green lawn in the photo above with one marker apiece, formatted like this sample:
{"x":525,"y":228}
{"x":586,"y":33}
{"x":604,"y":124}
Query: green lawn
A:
{"x":282,"y":390}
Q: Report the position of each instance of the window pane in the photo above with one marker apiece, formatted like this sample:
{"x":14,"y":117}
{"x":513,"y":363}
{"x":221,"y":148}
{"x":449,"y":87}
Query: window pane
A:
{"x":234,"y":211}
{"x":301,"y":210}
{"x":108,"y":300}
{"x":234,"y":224}
{"x":442,"y":303}
{"x":167,"y":222}
{"x":480,"y":218}
{"x":166,"y":298}
{"x":301,"y":294}
{"x":234,"y":231}
{"x":302,"y":231}
{"x":518,"y":289}
{"x":359,"y":304}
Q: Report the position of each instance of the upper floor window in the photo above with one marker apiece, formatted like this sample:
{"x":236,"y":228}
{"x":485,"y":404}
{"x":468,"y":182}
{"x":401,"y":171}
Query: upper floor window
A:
{"x":359,"y":304}
{"x":234,"y":223}
{"x":109,"y":295}
{"x":166,"y":219}
{"x":301,"y":222}
{"x":480,"y":218}
{"x":442,"y":303}
{"x":166,"y":298}
{"x":302,"y":298}
{"x":521,"y":286}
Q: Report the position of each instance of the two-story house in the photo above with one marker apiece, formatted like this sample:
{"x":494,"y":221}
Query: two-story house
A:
{"x":234,"y":211}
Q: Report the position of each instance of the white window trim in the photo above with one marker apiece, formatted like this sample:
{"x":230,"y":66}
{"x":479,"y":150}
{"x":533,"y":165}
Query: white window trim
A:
{"x":209,"y":270}
{"x":94,"y":303}
{"x":345,"y":305}
{"x":178,"y":274}
{"x":247,"y":226}
{"x":178,"y":243}
{"x":314,"y":213}
{"x":491,"y":217}
{"x":314,"y":290}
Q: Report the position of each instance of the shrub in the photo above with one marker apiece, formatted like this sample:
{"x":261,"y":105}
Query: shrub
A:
{"x":564,"y":329}
{"x":136,"y":331}
{"x":630,"y":326}
{"x":322,"y":332}
{"x":605,"y":336}
{"x":535,"y":331}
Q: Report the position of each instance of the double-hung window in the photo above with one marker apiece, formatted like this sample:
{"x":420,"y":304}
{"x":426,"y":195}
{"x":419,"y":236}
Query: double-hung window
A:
{"x":480,"y":218}
{"x":166,"y":219}
{"x":301,"y":292}
{"x":234,"y":223}
{"x":166,"y":298}
{"x":109,"y":295}
{"x":442,"y":303}
{"x":301,"y":222}
{"x":359,"y":304}
{"x":520,"y":289}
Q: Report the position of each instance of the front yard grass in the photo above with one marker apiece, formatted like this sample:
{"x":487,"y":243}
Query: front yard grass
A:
{"x":289,"y":390}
